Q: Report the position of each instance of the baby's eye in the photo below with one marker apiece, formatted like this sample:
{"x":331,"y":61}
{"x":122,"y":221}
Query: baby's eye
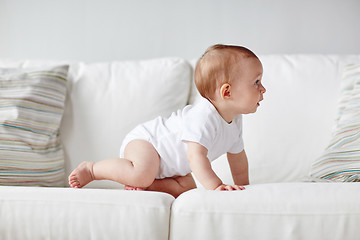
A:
{"x":257,"y":82}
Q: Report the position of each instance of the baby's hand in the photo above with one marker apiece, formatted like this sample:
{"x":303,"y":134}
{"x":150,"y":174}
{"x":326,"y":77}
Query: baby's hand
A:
{"x":224,"y":187}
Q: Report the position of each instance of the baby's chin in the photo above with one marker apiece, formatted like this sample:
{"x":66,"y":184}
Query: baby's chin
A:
{"x":255,"y":109}
{"x":251,"y":110}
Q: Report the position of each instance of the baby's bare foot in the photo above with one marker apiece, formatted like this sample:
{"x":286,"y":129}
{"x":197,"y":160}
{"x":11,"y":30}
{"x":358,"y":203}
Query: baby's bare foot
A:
{"x":82,"y":175}
{"x":131,"y":188}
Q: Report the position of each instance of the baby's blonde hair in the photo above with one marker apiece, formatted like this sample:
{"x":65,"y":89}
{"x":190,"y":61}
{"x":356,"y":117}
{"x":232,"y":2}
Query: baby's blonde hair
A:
{"x":216,"y":66}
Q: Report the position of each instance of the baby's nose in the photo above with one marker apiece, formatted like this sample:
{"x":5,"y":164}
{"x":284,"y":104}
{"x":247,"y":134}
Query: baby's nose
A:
{"x":262,"y":89}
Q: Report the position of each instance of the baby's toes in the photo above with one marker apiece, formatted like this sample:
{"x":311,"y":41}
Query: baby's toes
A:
{"x":74,"y":183}
{"x":129,"y":188}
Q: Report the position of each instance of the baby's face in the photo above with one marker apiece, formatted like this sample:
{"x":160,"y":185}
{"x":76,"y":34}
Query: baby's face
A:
{"x":247,"y":89}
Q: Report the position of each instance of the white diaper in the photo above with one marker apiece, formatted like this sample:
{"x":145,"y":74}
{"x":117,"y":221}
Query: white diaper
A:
{"x":167,"y":166}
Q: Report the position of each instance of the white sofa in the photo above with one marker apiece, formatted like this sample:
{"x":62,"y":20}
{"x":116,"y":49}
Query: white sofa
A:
{"x":289,"y":132}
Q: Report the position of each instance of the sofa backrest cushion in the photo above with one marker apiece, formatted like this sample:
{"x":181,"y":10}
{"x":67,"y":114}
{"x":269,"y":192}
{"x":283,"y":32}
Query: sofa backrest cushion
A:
{"x":293,"y":124}
{"x":107,"y":100}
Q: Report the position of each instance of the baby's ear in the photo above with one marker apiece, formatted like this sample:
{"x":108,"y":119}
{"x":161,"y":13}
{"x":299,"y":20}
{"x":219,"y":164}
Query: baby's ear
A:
{"x":225,"y":91}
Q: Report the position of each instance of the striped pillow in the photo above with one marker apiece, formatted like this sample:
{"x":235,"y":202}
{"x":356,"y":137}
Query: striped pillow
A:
{"x":31,"y":108}
{"x":341,"y":159}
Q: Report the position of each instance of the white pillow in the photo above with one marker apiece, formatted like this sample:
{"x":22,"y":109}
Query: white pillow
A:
{"x":31,"y":108}
{"x":341,"y":159}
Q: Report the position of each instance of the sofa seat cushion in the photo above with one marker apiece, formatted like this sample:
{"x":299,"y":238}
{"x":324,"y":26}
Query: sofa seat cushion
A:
{"x":64,"y":213}
{"x":269,"y":211}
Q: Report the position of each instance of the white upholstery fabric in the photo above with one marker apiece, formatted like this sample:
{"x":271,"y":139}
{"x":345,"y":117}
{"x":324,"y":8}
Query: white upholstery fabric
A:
{"x":294,"y":122}
{"x":64,"y":213}
{"x":269,"y":211}
{"x":107,"y":100}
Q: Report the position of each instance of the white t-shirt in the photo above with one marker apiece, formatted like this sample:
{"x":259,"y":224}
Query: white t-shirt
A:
{"x":200,"y":123}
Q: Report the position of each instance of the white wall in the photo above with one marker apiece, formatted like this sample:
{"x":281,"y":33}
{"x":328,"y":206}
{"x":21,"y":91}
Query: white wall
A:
{"x":105,"y":30}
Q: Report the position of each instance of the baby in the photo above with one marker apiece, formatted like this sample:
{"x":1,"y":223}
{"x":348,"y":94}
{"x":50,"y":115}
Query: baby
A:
{"x":160,"y":155}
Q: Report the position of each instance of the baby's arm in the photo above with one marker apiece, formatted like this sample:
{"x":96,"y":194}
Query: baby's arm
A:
{"x":239,"y":168}
{"x":201,"y":167}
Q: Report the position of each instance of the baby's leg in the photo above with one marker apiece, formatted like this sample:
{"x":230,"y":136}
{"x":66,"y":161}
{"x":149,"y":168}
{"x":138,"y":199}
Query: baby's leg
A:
{"x":138,"y":167}
{"x":174,"y":186}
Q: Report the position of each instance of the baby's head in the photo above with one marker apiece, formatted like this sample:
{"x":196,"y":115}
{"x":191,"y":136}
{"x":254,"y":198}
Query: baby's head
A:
{"x":220,"y":64}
